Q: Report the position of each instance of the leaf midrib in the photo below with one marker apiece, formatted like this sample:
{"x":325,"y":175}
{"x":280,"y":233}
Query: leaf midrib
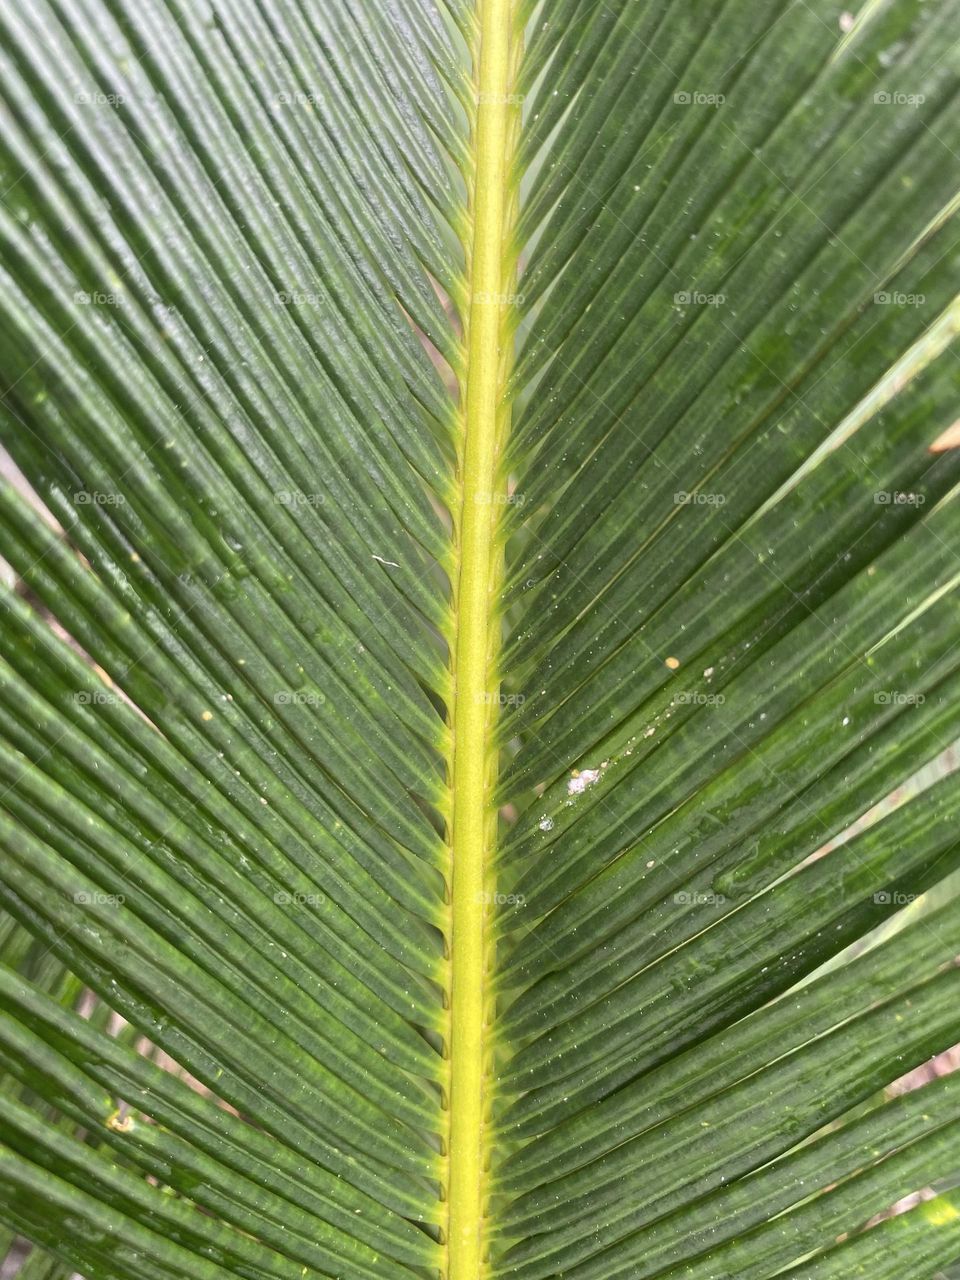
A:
{"x":473,"y":760}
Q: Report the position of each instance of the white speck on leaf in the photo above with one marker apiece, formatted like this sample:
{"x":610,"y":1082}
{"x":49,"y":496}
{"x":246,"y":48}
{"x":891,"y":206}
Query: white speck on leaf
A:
{"x":581,"y":780}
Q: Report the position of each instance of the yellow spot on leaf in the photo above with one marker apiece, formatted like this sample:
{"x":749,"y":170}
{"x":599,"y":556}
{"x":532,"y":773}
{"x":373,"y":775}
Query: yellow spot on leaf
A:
{"x":672,"y":663}
{"x":118,"y":1123}
{"x":939,"y":1212}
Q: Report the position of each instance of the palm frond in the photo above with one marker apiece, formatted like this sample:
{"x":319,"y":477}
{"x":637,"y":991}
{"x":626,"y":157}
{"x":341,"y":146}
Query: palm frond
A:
{"x":483,"y":522}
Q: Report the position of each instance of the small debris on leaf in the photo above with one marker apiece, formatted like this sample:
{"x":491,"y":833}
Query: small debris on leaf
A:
{"x":582,"y":778}
{"x":949,"y":439}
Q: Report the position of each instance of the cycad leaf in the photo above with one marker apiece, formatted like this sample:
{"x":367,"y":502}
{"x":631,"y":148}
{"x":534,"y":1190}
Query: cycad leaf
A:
{"x":482,"y":526}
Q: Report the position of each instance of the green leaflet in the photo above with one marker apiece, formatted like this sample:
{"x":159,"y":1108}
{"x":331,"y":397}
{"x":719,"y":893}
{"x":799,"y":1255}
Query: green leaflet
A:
{"x":473,"y":540}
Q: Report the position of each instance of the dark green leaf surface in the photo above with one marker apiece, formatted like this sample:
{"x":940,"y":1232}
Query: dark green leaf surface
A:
{"x":236,"y":286}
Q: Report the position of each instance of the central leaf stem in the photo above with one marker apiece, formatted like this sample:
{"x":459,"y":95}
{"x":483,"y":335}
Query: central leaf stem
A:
{"x":477,"y":616}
